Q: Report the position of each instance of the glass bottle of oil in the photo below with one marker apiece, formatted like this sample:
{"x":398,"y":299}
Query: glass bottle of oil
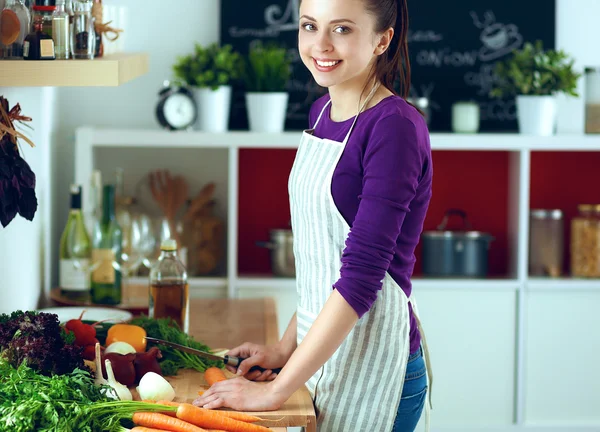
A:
{"x":169,"y":291}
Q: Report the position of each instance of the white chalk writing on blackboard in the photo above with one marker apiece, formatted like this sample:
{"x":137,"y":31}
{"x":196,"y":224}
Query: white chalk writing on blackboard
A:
{"x":498,"y":39}
{"x":276,"y":19}
{"x":446,"y":57}
{"x":424,"y":36}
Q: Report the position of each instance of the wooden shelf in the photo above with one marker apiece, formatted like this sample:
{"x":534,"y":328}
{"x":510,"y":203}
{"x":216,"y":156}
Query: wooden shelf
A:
{"x":109,"y":71}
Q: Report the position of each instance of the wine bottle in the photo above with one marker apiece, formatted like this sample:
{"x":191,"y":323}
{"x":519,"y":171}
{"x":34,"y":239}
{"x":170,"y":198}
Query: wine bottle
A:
{"x":75,"y":252}
{"x":106,"y":254}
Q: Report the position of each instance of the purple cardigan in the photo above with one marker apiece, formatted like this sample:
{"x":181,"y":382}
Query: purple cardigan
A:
{"x":382,"y":188}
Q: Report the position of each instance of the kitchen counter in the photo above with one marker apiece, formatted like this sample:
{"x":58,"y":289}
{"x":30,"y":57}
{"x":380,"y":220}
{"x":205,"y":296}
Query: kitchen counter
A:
{"x":225,"y":323}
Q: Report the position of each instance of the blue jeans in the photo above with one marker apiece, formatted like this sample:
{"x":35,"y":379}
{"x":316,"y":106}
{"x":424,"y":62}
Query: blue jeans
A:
{"x":414,"y":394}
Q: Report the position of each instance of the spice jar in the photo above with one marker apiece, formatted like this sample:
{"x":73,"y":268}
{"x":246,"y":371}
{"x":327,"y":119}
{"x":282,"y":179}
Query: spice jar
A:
{"x":83,"y":35}
{"x":546,"y":242}
{"x":585,"y":242}
{"x":44,"y":13}
{"x":592,"y":100}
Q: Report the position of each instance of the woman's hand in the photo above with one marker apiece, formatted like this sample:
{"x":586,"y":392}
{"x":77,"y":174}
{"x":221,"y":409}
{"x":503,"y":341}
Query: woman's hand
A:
{"x":241,"y":395}
{"x":269,"y":357}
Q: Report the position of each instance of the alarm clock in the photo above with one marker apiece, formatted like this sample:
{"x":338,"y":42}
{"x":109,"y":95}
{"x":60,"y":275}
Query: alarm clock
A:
{"x":176,"y":108}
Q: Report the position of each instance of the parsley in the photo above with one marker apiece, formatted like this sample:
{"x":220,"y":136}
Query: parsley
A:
{"x":173,"y":359}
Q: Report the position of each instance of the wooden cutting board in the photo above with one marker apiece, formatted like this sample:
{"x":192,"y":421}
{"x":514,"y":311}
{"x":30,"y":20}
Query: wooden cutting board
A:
{"x":297,"y":411}
{"x":221,"y":323}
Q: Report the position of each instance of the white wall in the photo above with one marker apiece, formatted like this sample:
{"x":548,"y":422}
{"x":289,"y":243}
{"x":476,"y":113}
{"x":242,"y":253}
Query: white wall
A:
{"x":22,"y":272}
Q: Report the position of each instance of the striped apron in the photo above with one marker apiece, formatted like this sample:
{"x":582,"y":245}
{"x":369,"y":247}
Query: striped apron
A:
{"x":359,"y":387}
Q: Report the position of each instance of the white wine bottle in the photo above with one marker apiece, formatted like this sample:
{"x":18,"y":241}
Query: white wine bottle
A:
{"x":106,"y":254}
{"x":75,"y":252}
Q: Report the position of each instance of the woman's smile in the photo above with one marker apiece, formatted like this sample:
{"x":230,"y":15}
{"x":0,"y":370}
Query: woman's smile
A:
{"x":323,"y":65}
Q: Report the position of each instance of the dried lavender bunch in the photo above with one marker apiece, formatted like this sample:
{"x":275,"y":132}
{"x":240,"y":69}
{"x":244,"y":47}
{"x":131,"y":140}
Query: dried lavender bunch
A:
{"x":17,"y":180}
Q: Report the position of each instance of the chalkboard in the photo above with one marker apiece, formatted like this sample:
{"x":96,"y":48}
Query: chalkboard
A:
{"x":453,"y":47}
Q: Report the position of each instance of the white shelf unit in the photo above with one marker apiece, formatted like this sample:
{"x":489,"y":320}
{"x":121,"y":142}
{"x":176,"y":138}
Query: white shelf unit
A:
{"x":516,"y":294}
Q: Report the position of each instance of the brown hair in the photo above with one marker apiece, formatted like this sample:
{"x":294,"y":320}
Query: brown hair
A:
{"x":394,"y":63}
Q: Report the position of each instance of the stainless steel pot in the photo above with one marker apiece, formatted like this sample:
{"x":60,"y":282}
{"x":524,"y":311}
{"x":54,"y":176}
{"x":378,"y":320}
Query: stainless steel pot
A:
{"x":460,"y":253}
{"x":281,"y":245}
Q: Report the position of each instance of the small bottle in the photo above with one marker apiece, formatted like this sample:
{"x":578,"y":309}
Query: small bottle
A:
{"x":169,"y":291}
{"x":15,"y":21}
{"x":106,"y":254}
{"x":38,"y":45}
{"x":60,"y":31}
{"x":75,"y":252}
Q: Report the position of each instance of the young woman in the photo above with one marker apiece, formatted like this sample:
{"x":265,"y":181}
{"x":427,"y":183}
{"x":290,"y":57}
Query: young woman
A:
{"x":359,"y":191}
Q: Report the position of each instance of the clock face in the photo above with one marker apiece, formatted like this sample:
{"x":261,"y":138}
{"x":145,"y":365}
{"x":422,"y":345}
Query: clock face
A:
{"x":179,"y":110}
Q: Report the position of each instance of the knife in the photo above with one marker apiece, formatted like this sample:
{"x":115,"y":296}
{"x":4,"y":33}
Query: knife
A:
{"x":228,"y":360}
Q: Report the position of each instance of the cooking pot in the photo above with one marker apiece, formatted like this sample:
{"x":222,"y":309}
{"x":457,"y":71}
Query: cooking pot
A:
{"x":281,"y":245}
{"x":459,"y":253}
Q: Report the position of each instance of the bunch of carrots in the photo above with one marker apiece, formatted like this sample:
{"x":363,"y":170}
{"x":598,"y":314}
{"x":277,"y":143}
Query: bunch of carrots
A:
{"x":189,"y":418}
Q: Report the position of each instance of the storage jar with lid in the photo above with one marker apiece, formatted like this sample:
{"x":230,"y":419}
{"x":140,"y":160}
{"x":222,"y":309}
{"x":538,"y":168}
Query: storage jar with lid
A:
{"x":546,"y":242}
{"x":585,"y":242}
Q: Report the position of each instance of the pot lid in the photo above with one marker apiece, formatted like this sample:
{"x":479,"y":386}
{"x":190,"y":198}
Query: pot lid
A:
{"x":457,"y":234}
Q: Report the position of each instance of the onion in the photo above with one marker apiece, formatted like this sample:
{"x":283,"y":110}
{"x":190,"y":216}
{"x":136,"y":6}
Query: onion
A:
{"x":154,"y":387}
{"x":119,"y":348}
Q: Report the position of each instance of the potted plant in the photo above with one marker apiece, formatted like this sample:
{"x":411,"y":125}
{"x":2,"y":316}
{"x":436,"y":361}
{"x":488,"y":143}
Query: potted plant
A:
{"x":535,"y":76}
{"x":210,"y":72}
{"x":266,"y":74}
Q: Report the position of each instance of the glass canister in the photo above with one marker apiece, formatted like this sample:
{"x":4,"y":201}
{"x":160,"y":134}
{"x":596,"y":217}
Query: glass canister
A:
{"x":546,"y":242}
{"x":585,"y":242}
{"x":592,"y":100}
{"x":83,"y":35}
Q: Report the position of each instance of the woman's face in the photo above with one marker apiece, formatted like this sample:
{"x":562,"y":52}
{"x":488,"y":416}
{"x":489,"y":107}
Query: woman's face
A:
{"x":337,"y":41}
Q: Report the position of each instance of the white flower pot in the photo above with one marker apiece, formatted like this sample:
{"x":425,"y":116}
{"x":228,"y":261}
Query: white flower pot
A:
{"x":213,"y":108}
{"x":537,"y":115}
{"x":267,"y":111}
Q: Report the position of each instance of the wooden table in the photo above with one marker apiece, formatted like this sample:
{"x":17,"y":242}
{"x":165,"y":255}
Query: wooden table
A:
{"x":225,"y":323}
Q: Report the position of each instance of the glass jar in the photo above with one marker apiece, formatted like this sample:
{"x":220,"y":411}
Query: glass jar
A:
{"x":546,"y":242}
{"x":83,"y":35}
{"x":592,"y":100}
{"x":15,"y":20}
{"x":45,"y":14}
{"x":585,"y":242}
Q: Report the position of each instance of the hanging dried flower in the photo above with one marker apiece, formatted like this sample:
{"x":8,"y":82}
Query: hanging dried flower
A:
{"x":17,"y":180}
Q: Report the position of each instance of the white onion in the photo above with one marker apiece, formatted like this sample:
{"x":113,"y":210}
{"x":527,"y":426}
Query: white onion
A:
{"x":120,"y":348}
{"x":154,"y":387}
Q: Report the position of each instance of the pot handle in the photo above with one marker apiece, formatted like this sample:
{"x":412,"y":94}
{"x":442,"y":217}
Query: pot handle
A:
{"x":265,"y":244}
{"x":456,"y":212}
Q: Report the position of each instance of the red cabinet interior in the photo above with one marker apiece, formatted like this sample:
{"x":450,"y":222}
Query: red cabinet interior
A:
{"x":563,"y":180}
{"x":476,"y":182}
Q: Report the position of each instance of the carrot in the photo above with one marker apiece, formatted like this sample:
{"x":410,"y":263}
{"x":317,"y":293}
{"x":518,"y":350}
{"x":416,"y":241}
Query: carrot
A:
{"x":164,"y":422}
{"x":145,"y":429}
{"x":213,"y":375}
{"x":231,"y":414}
{"x":215,"y":420}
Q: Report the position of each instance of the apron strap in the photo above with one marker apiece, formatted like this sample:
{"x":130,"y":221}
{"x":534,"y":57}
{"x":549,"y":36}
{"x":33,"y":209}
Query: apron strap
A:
{"x":371,"y":94}
{"x":428,"y":406}
{"x":321,"y":114}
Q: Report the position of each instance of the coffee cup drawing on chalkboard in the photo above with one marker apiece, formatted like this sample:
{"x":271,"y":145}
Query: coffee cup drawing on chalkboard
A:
{"x":498,"y":39}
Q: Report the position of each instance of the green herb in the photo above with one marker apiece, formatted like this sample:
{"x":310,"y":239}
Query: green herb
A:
{"x":268,"y":68}
{"x":173,"y":359}
{"x":30,"y":401}
{"x":209,"y":67}
{"x":535,"y":71}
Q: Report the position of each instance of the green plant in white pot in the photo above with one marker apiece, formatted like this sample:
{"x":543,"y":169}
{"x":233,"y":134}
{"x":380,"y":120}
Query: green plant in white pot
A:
{"x":266,"y":74}
{"x":210,"y":72}
{"x":535,"y":77}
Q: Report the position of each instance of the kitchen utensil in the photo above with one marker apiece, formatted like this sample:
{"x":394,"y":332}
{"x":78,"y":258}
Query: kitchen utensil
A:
{"x":228,"y":360}
{"x":282,"y":252}
{"x":170,"y":193}
{"x":459,"y":253}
